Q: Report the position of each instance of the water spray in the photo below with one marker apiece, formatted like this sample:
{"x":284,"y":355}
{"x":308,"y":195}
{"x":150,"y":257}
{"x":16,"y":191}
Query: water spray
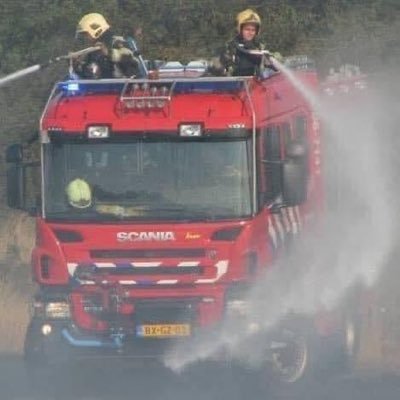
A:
{"x":34,"y":68}
{"x":353,"y":246}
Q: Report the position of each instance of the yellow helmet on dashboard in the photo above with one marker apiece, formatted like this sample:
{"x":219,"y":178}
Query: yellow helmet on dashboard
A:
{"x":248,"y":16}
{"x":79,"y":193}
{"x":93,"y":24}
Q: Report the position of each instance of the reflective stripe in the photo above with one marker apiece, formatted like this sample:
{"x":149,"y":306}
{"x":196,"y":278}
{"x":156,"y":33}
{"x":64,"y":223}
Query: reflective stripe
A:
{"x":279,"y":227}
{"x":293,"y":222}
{"x":298,"y":217}
{"x":222,"y":269}
{"x":189,"y":264}
{"x":71,"y":268}
{"x":146,"y":264}
{"x":272,"y":233}
{"x":105,"y":265}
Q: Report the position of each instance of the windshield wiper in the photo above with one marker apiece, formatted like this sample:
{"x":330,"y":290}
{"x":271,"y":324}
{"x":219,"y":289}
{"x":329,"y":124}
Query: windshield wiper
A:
{"x":72,"y":215}
{"x":186,"y":213}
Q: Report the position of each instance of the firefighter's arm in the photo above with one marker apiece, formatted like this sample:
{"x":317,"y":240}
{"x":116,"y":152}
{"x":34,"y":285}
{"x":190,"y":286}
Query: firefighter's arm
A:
{"x":79,"y":60}
{"x":78,"y":65}
{"x":269,"y":60}
{"x":215,"y":68}
{"x":126,"y":60}
{"x":102,"y":48}
{"x":227,"y":57}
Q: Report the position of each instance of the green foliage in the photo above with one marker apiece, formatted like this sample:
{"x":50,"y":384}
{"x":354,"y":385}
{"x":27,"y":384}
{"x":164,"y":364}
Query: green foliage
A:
{"x":332,"y":31}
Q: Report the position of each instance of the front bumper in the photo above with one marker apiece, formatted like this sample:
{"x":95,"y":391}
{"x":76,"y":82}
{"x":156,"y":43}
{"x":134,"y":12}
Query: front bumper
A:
{"x":65,"y":343}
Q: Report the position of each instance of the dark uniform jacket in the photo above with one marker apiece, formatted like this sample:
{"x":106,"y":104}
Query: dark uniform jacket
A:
{"x":115,"y":60}
{"x":240,"y":63}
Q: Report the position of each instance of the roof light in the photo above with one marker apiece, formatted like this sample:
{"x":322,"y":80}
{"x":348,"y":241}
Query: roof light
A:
{"x":98,"y":132}
{"x":190,"y":130}
{"x":73,"y":87}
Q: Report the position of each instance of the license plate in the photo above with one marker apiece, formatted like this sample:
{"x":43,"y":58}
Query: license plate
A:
{"x":163,"y":330}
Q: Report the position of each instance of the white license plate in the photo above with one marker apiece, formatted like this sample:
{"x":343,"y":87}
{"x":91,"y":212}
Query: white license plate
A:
{"x":163,"y":330}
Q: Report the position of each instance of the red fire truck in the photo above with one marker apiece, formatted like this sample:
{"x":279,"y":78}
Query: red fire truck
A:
{"x":161,"y":201}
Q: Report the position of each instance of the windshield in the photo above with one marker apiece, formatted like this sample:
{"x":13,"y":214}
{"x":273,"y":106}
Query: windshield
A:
{"x":148,"y":180}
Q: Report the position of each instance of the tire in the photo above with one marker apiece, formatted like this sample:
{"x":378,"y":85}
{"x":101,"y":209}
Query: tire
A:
{"x":292,"y":364}
{"x":350,"y":332}
{"x":36,"y":366}
{"x":308,"y":357}
{"x":351,"y":340}
{"x":43,"y":376}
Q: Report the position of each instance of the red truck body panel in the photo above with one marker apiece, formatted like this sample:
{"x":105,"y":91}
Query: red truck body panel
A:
{"x":134,"y":261}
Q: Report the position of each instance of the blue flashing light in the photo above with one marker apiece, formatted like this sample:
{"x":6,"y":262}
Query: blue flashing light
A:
{"x":181,"y":86}
{"x":73,"y":87}
{"x":208,"y":86}
{"x":86,"y":88}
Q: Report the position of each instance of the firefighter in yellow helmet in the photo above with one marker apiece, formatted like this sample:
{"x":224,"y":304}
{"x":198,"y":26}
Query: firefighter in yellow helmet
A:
{"x":235,"y":58}
{"x":114,"y":59}
{"x":79,"y":194}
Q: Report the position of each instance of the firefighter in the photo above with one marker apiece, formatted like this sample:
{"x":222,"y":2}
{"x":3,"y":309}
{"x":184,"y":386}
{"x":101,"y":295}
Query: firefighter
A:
{"x":114,"y":59}
{"x":79,"y":194}
{"x":235,"y":58}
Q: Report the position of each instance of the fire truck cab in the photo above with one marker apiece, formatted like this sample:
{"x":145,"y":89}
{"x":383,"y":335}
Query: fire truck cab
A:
{"x":188,"y":190}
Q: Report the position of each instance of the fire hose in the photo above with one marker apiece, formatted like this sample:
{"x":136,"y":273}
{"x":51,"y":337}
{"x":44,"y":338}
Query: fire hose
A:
{"x":29,"y":70}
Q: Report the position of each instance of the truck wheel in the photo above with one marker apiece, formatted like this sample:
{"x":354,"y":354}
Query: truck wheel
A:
{"x":353,"y":316}
{"x":38,"y":371}
{"x":351,"y":339}
{"x":291,"y":358}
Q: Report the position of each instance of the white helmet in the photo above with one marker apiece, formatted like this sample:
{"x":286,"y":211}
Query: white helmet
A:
{"x":79,"y":193}
{"x":93,"y":24}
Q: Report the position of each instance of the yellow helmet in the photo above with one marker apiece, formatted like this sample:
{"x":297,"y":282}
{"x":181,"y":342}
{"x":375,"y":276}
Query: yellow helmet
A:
{"x":79,"y":193}
{"x":93,"y":24}
{"x":248,"y":16}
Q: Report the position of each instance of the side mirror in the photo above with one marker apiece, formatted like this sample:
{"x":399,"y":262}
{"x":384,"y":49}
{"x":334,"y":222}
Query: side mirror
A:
{"x":14,"y":153}
{"x":15,"y":186}
{"x":295,"y":174}
{"x":295,"y":179}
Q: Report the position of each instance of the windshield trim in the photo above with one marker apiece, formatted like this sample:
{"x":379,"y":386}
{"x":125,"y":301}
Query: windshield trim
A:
{"x":70,"y":137}
{"x":147,"y":221}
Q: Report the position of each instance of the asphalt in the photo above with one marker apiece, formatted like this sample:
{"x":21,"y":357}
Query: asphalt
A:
{"x":104,"y":381}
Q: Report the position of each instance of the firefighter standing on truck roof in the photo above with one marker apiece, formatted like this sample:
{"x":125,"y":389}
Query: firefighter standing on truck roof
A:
{"x":235,"y":58}
{"x":114,"y":59}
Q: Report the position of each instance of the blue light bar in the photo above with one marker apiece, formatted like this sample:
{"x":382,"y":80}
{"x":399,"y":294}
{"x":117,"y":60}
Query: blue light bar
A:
{"x":90,"y":87}
{"x":72,"y":87}
{"x":93,"y":87}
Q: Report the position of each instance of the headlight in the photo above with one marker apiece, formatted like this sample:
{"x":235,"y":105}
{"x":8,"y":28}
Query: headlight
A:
{"x":98,"y":132}
{"x":190,"y":130}
{"x":57,"y":310}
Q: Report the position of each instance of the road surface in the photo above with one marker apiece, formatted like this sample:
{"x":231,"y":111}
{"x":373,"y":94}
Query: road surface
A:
{"x":202,"y":383}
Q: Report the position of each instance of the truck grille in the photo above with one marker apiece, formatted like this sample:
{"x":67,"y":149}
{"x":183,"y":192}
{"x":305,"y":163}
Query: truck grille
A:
{"x":165,"y":311}
{"x":147,"y":253}
{"x":164,"y":270}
